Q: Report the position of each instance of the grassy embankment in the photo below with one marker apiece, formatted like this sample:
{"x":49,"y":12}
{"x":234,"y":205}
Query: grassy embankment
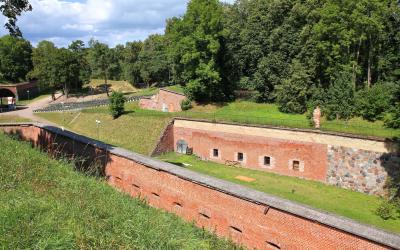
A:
{"x":354,"y":205}
{"x":12,"y":118}
{"x":45,"y":204}
{"x":139,"y":130}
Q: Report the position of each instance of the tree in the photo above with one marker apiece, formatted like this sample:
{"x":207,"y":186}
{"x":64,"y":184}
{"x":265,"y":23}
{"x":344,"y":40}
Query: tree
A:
{"x":56,"y":68}
{"x":130,"y":66}
{"x":153,"y":60}
{"x":117,"y":104}
{"x":42,"y":57}
{"x":340,"y":98}
{"x":100,"y":58}
{"x":11,"y":10}
{"x":198,"y":42}
{"x":65,"y":71}
{"x":373,"y":103}
{"x":15,"y":58}
{"x":80,"y":52}
{"x":293,"y":94}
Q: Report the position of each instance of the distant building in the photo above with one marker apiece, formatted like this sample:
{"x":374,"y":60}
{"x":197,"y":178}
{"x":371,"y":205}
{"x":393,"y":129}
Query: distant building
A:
{"x":26,"y":90}
{"x":166,"y":101}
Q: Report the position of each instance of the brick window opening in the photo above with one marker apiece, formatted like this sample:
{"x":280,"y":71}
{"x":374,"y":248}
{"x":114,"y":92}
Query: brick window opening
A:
{"x":215,"y":152}
{"x":240,"y":157}
{"x":267,"y":161}
{"x":296,"y":165}
{"x":273,"y":245}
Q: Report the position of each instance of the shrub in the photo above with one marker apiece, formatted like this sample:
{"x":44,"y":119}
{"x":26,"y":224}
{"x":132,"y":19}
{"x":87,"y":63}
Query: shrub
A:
{"x":392,"y":120}
{"x":371,"y":104}
{"x":117,"y":104}
{"x":340,"y":98}
{"x":293,"y":93}
{"x":186,"y":104}
{"x":387,"y":210}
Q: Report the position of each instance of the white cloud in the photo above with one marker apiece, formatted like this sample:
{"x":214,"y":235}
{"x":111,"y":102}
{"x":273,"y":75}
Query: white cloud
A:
{"x":111,"y":21}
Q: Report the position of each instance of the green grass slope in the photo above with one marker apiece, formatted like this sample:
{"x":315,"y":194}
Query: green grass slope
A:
{"x":45,"y":204}
{"x":354,"y":205}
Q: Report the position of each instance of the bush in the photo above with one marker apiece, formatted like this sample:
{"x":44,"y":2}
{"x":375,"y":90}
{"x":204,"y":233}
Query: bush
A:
{"x":340,"y":98}
{"x":371,"y":104}
{"x":387,"y":210}
{"x":117,"y":104}
{"x":293,"y":93}
{"x":186,"y":104}
{"x":392,"y":120}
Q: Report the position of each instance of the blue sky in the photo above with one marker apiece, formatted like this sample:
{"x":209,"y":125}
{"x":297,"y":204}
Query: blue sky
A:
{"x":111,"y":21}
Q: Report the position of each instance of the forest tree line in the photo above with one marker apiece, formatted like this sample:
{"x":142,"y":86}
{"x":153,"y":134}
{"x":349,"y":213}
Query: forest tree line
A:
{"x":341,"y":55}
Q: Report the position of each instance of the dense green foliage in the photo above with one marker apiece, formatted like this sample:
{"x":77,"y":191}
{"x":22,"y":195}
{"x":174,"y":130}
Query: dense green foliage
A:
{"x":341,"y":55}
{"x":15,"y":58}
{"x":186,"y":105}
{"x":59,"y":68}
{"x":117,"y":104}
{"x":45,"y":204}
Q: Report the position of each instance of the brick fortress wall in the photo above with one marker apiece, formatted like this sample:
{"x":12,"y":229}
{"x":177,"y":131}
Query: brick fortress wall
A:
{"x":249,"y":217}
{"x":359,"y":164}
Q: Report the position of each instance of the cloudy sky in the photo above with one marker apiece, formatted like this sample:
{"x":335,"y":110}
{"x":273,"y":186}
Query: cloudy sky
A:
{"x":111,"y":21}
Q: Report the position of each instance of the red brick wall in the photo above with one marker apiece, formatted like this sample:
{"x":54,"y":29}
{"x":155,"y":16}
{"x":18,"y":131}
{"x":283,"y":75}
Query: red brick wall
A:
{"x":171,"y":100}
{"x":224,"y":214}
{"x":312,"y":155}
{"x":166,"y":142}
{"x":249,"y":223}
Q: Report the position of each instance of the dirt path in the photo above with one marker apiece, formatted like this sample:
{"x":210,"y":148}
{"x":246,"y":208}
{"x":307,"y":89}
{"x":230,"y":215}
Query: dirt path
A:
{"x":28,"y":111}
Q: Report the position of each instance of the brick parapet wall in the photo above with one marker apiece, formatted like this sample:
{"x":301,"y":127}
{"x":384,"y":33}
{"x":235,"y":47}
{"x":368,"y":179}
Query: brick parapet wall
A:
{"x":249,"y":217}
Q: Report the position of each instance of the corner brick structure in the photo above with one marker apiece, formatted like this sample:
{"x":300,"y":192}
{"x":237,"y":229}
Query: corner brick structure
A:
{"x":252,"y":218}
{"x":354,"y":162}
{"x":166,"y":100}
{"x":19,"y":90}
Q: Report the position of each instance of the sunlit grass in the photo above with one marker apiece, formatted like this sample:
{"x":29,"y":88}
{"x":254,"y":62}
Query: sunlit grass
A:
{"x":12,"y":118}
{"x":354,"y":205}
{"x":45,"y":204}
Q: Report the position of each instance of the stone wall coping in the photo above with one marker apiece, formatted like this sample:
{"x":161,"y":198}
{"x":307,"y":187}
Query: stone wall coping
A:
{"x":311,"y":131}
{"x":171,"y":91}
{"x":338,"y":222}
{"x":16,"y":84}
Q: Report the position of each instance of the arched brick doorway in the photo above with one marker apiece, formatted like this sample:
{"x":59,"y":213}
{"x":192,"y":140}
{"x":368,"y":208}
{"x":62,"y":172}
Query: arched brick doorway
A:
{"x":6,"y":93}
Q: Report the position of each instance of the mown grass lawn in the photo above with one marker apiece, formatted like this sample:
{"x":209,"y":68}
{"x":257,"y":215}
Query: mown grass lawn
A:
{"x":12,"y":118}
{"x":354,"y":205}
{"x":268,"y":114}
{"x":45,"y":204}
{"x":37,"y":98}
{"x":137,"y":130}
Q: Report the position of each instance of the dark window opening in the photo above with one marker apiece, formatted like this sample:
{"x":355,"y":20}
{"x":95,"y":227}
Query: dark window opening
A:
{"x":267,"y":161}
{"x":296,"y":165}
{"x":204,"y":215}
{"x":273,"y":245}
{"x":215,"y":152}
{"x":177,"y":204}
{"x":236,"y":229}
{"x":240,"y":156}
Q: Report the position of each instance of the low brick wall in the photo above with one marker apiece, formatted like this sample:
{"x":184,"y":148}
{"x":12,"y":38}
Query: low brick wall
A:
{"x":249,"y":217}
